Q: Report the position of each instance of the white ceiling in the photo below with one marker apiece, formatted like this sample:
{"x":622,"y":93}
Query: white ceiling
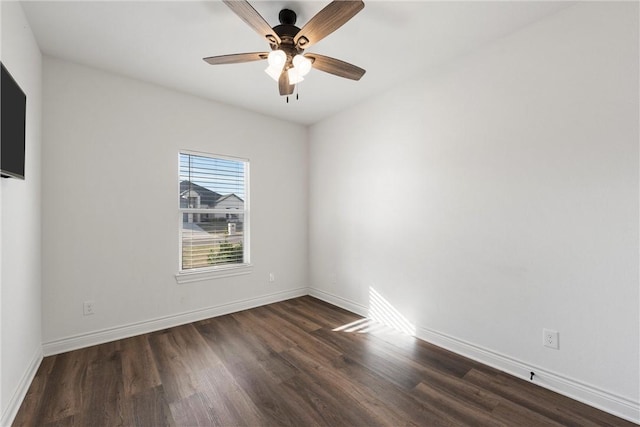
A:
{"x":163,"y":42}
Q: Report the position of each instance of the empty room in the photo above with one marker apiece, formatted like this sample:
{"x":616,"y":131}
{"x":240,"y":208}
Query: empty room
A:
{"x":331,"y":213}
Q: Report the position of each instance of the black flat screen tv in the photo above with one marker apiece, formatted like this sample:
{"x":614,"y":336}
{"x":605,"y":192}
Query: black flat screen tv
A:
{"x":13,"y":109}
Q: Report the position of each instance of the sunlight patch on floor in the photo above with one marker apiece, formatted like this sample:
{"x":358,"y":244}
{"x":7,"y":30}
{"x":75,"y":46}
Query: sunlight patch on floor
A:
{"x":383,"y":318}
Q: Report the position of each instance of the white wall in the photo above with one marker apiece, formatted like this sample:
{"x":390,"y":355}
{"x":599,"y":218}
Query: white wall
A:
{"x":110,"y":205}
{"x":497,"y":197}
{"x":517,"y":168}
{"x":20,"y":249}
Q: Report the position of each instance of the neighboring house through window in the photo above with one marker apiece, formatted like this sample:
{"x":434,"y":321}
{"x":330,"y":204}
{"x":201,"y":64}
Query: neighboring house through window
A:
{"x":214,"y":207}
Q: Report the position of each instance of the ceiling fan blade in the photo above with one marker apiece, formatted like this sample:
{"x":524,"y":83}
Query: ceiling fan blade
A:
{"x":236,"y":58}
{"x":248,"y":14}
{"x":283,"y":84}
{"x":325,"y":22}
{"x":335,"y":66}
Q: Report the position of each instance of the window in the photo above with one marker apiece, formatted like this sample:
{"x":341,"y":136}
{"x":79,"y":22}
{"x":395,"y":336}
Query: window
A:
{"x":214,"y":213}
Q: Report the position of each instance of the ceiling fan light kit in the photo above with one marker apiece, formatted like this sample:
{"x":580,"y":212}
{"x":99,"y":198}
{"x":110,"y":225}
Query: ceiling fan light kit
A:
{"x":287,"y":63}
{"x":277,"y":60}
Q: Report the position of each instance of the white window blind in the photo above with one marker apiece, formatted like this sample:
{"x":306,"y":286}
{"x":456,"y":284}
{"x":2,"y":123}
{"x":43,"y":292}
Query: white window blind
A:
{"x":214,"y":210}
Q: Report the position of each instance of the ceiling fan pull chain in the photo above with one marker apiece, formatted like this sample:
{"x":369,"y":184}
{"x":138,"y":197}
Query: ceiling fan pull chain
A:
{"x":287,"y":99}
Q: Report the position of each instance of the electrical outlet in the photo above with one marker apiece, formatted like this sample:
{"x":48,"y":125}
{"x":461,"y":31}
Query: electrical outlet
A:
{"x":88,"y":308}
{"x":550,"y":339}
{"x":272,"y":277}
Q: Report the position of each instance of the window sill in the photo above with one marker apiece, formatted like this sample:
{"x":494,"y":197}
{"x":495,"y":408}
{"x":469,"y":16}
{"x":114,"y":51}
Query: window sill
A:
{"x":218,"y":273}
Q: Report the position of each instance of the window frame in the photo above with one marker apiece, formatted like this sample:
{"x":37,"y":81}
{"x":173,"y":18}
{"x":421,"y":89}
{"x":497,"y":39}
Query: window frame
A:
{"x":223,"y":270}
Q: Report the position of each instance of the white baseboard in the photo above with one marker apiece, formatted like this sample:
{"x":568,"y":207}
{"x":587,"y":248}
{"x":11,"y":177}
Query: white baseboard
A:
{"x":585,"y":393}
{"x":353,"y":307}
{"x":21,"y":391}
{"x":125,"y":331}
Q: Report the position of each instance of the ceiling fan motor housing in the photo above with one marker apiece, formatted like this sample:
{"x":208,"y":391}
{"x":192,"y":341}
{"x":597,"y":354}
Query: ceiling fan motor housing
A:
{"x":287,"y":32}
{"x":287,"y":17}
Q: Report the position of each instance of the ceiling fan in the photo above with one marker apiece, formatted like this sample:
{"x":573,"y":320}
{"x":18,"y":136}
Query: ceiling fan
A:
{"x":288,"y":64}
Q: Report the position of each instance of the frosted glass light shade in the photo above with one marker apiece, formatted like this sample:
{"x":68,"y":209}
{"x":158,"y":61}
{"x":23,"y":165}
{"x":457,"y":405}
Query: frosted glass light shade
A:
{"x":294,"y":76}
{"x":302,"y":64}
{"x":274,"y":72}
{"x":277,"y":58}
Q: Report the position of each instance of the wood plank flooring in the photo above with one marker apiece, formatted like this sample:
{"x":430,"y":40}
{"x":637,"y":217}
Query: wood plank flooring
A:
{"x":285,"y":364}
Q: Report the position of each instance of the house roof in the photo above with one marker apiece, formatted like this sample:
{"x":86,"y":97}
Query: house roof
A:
{"x":208,"y":198}
{"x":229,"y":196}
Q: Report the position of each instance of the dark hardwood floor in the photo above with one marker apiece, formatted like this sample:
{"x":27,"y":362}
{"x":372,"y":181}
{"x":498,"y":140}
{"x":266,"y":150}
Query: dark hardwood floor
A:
{"x":284,"y":364}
